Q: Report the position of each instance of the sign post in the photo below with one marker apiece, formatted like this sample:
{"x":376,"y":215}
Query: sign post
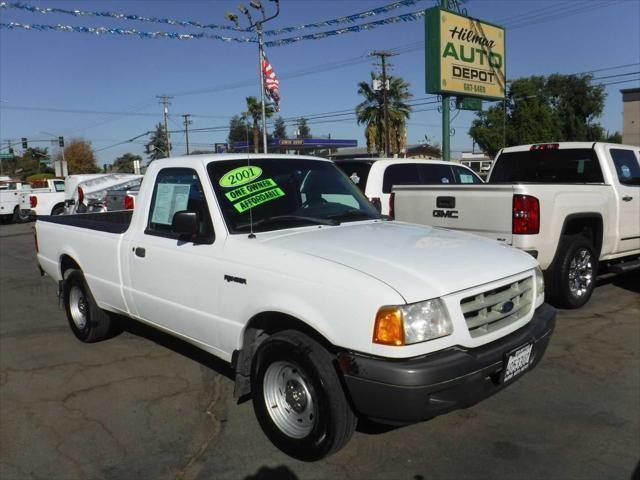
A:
{"x":464,"y":57}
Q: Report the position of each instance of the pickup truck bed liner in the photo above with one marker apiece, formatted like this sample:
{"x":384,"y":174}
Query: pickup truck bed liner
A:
{"x":111,"y":222}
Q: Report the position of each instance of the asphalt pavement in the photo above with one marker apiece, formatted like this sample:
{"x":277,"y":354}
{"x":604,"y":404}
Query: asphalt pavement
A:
{"x":143,"y":405}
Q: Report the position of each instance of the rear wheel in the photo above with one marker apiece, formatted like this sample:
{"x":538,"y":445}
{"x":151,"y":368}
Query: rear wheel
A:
{"x":88,"y":322}
{"x":574,"y":272}
{"x":19,"y":216}
{"x":57,"y":210}
{"x":298,"y":398}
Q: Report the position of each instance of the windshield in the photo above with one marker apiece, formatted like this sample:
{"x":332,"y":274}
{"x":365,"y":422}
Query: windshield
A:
{"x":279,"y":193}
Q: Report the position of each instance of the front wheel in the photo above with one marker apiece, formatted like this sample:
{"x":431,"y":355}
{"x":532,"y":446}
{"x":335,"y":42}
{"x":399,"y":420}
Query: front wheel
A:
{"x":298,"y":399}
{"x":575,"y":272}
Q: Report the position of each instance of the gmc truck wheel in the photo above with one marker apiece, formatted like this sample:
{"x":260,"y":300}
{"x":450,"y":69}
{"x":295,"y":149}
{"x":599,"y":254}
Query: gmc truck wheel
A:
{"x":298,"y":399}
{"x":575,"y":273}
{"x":88,"y":322}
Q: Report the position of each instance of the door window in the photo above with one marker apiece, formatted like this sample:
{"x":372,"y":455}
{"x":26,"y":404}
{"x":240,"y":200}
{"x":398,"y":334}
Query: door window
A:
{"x":465,"y":176}
{"x":400,"y":174}
{"x":627,"y":166}
{"x":176,"y":190}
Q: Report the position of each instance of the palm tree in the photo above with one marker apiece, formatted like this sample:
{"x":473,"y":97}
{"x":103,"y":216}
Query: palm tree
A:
{"x":254,"y":110}
{"x":371,"y":113}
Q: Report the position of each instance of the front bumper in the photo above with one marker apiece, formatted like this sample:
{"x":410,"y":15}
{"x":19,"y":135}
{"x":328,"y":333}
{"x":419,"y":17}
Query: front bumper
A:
{"x":415,"y":389}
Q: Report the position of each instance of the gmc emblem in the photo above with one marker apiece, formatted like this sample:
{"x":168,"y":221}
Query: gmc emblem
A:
{"x":445,"y":213}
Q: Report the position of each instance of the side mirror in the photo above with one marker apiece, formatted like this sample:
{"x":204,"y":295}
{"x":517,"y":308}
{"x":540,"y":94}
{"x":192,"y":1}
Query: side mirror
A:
{"x":185,"y":223}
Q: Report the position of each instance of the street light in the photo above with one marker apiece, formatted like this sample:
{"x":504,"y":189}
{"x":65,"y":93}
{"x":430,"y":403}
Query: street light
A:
{"x":258,"y":27}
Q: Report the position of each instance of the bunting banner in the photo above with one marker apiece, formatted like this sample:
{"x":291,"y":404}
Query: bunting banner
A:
{"x":124,"y":32}
{"x":192,"y":23}
{"x":116,"y":15}
{"x":346,"y":19}
{"x":408,"y":17}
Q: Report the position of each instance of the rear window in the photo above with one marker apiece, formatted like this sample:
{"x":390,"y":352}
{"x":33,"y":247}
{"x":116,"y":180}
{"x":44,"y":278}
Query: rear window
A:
{"x":358,"y":172}
{"x":627,"y":166}
{"x":575,"y":165}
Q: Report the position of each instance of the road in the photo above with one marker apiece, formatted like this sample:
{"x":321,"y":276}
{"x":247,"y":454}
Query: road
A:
{"x":145,"y":406}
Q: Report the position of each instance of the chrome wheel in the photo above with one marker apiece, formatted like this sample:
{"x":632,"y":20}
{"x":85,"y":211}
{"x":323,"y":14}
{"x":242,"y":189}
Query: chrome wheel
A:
{"x":288,"y":399}
{"x":580,"y":273}
{"x":78,"y":307}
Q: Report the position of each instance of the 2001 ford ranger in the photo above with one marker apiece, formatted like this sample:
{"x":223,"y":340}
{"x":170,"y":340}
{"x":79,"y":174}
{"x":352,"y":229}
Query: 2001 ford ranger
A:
{"x":279,"y":265}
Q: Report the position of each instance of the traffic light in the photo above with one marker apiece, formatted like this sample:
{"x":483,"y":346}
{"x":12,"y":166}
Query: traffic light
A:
{"x":61,"y":142}
{"x":24,"y":143}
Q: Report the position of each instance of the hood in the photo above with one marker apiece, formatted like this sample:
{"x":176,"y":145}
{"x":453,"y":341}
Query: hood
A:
{"x":419,"y":262}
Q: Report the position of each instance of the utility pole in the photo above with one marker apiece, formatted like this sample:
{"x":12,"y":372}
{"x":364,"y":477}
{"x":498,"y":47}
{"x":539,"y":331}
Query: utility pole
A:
{"x":164,"y":100}
{"x":383,"y":57}
{"x":187,"y":122}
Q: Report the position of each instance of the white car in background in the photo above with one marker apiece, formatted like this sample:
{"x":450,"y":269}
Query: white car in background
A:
{"x":43,"y":201}
{"x":376,"y":176}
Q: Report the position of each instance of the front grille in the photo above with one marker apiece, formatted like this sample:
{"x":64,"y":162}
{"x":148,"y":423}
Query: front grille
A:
{"x":488,"y":311}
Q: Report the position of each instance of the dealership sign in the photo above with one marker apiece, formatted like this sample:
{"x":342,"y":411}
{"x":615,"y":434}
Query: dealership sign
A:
{"x":464,"y":56}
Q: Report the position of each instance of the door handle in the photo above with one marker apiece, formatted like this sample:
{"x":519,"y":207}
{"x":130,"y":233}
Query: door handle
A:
{"x":627,"y":199}
{"x":140,"y":252}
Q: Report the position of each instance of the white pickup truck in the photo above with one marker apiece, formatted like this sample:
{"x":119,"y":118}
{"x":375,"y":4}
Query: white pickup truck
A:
{"x":43,"y":201}
{"x":572,"y":205}
{"x":326,"y":311}
{"x":10,"y":192}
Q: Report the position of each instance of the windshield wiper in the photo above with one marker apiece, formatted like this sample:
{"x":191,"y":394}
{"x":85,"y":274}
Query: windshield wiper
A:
{"x":354,"y":214}
{"x":291,"y":218}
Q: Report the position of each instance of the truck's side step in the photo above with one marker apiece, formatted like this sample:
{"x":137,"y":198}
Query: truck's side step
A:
{"x":623,"y":267}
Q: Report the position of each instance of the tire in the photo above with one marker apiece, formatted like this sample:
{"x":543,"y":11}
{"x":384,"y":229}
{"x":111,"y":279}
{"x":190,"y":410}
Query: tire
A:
{"x":308,"y":417}
{"x":18,"y":216}
{"x":574,"y":272}
{"x":88,"y":322}
{"x":57,"y":210}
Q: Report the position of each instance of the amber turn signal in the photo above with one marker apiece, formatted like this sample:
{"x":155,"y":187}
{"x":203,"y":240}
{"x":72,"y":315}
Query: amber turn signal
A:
{"x":389,"y":329}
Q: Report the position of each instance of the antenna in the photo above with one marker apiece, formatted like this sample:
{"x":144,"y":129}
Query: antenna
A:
{"x":246,"y":124}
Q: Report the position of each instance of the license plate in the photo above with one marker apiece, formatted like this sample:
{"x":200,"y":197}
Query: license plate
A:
{"x":517,"y":362}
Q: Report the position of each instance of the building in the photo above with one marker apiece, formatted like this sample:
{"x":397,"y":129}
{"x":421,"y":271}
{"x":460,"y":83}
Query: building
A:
{"x":422,"y":151}
{"x":631,"y":116}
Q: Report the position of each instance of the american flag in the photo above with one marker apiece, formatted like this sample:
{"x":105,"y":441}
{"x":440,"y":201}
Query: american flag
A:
{"x":271,"y":82}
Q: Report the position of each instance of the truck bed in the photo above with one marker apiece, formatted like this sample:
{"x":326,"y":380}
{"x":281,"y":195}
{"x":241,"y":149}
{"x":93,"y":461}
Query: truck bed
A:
{"x":110,"y":222}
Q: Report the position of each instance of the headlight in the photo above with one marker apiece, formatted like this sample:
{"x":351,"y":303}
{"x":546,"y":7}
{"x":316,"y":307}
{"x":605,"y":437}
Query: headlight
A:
{"x":407,"y":324}
{"x":539,"y":284}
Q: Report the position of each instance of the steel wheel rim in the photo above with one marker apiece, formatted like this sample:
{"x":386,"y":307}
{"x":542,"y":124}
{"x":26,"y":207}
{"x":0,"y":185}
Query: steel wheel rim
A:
{"x":288,"y":399}
{"x":580,"y":273}
{"x":78,"y":307}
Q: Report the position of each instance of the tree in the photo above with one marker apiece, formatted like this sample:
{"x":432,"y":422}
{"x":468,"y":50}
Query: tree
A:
{"x":614,"y":137}
{"x":254,"y":110}
{"x":238,"y":129}
{"x":30,"y":163}
{"x":303,"y":128}
{"x":124,"y":163}
{"x":79,"y":156}
{"x":157,"y":146}
{"x":279,"y":128}
{"x":371,"y":113}
{"x":542,"y":109}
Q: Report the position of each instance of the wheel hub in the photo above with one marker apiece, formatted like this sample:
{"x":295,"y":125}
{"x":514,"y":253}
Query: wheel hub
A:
{"x":78,"y":307}
{"x":580,"y":273}
{"x":296,"y":396}
{"x":288,"y":399}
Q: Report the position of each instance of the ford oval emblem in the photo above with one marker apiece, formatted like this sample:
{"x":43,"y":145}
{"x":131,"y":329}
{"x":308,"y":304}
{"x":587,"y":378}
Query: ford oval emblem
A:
{"x":507,"y":307}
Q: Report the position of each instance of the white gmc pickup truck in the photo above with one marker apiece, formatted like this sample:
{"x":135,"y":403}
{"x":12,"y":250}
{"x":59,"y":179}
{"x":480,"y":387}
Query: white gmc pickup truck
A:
{"x":326,"y":311}
{"x":572,"y":205}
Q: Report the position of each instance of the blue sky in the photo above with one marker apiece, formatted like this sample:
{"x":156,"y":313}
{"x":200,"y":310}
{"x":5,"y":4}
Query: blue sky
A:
{"x":75,"y":71}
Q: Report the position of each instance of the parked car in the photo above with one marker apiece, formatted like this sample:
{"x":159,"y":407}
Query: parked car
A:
{"x":572,"y":205}
{"x":279,"y":265}
{"x":376,"y":176}
{"x":88,"y":193}
{"x":12,"y":194}
{"x":48,"y":200}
